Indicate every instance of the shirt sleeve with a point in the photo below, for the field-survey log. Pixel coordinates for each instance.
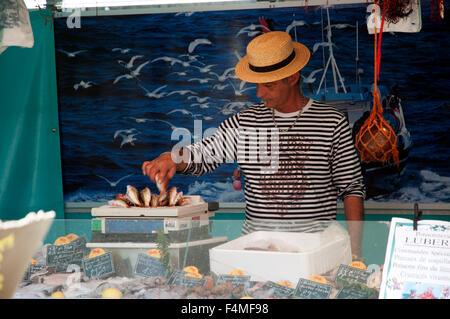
(212, 151)
(345, 163)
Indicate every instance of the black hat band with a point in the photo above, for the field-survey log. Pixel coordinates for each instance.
(273, 67)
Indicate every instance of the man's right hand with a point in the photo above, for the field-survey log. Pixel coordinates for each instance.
(160, 170)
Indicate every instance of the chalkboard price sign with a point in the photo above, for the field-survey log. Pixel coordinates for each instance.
(308, 289)
(235, 280)
(348, 293)
(149, 266)
(351, 274)
(279, 291)
(99, 266)
(178, 278)
(63, 255)
(33, 268)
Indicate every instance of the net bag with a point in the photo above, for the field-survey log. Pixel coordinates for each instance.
(376, 141)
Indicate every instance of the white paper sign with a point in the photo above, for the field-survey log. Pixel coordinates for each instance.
(417, 262)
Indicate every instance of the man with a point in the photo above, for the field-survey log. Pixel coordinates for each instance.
(297, 155)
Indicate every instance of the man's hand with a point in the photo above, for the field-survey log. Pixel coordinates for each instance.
(160, 170)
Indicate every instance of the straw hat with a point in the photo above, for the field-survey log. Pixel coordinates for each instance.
(270, 57)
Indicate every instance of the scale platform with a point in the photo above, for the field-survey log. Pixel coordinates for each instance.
(197, 205)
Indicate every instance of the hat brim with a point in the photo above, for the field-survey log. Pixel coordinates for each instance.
(302, 55)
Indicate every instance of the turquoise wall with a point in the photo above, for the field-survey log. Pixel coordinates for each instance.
(30, 161)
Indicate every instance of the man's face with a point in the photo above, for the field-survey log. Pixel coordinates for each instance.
(274, 94)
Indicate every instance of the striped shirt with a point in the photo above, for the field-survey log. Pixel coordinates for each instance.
(291, 173)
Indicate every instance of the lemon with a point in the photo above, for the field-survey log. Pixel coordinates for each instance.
(154, 253)
(318, 278)
(285, 283)
(96, 252)
(111, 293)
(358, 264)
(61, 241)
(58, 294)
(236, 272)
(191, 269)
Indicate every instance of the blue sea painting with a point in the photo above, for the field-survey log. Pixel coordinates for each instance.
(131, 86)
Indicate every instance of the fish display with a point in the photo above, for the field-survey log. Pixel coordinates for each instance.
(145, 198)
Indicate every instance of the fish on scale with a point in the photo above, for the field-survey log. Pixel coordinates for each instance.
(145, 198)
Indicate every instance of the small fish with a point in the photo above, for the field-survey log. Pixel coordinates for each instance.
(172, 196)
(178, 198)
(163, 199)
(184, 201)
(154, 200)
(133, 195)
(146, 196)
(118, 203)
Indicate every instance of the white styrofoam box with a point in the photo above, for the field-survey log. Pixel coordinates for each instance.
(196, 205)
(298, 255)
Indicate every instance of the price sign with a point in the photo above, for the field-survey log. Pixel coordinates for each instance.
(99, 266)
(308, 289)
(178, 278)
(149, 266)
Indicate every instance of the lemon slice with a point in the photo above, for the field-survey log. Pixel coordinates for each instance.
(236, 272)
(285, 283)
(154, 253)
(111, 293)
(61, 241)
(71, 237)
(358, 264)
(193, 274)
(58, 294)
(96, 252)
(318, 278)
(191, 269)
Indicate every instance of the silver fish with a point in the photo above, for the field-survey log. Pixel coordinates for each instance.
(118, 203)
(133, 195)
(154, 200)
(146, 196)
(163, 199)
(178, 198)
(172, 196)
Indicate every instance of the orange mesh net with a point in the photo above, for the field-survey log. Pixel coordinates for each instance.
(376, 141)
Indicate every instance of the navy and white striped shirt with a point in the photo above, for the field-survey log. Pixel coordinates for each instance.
(292, 175)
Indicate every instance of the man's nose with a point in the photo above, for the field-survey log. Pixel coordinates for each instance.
(259, 91)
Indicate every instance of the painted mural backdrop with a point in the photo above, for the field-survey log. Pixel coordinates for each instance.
(126, 83)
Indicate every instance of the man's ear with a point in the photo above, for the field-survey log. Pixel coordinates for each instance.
(293, 79)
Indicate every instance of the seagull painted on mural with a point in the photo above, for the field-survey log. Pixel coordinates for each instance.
(83, 85)
(173, 127)
(138, 120)
(71, 54)
(198, 99)
(121, 132)
(137, 71)
(172, 61)
(128, 137)
(310, 78)
(185, 112)
(340, 26)
(130, 64)
(114, 184)
(321, 44)
(228, 73)
(204, 69)
(193, 45)
(296, 23)
(123, 51)
(200, 81)
(182, 92)
(251, 29)
(155, 93)
(124, 76)
(239, 91)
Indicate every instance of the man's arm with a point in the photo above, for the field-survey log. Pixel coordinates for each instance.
(354, 214)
